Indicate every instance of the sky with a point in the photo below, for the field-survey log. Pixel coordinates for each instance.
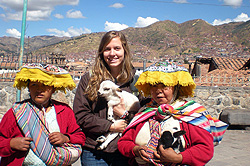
(76, 17)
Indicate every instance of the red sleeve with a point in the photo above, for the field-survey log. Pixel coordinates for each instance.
(199, 145)
(67, 122)
(8, 130)
(127, 142)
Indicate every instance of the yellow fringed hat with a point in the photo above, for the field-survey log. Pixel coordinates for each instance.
(169, 74)
(50, 75)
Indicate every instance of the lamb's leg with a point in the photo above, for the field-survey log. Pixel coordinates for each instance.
(110, 113)
(101, 139)
(109, 138)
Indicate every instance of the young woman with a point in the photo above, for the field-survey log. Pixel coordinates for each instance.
(113, 62)
(168, 84)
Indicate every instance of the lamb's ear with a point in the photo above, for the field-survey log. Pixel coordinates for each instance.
(118, 90)
(114, 90)
(179, 133)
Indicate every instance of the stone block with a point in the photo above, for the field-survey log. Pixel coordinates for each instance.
(236, 116)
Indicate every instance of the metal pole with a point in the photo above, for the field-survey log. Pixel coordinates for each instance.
(144, 64)
(20, 61)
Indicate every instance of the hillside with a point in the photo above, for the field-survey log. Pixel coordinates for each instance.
(159, 40)
(12, 45)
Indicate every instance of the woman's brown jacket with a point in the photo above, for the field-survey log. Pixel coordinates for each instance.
(92, 116)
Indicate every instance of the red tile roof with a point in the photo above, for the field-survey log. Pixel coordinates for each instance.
(229, 63)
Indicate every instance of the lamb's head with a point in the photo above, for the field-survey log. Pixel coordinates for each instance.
(172, 140)
(107, 89)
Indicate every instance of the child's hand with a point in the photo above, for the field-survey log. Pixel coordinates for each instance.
(20, 143)
(140, 151)
(57, 138)
(167, 155)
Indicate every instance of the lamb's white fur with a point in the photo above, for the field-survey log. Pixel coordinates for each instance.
(113, 94)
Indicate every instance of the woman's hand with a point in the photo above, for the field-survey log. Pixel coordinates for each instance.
(58, 138)
(119, 109)
(20, 143)
(118, 126)
(167, 156)
(140, 151)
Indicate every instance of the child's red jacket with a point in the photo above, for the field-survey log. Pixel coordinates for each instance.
(9, 129)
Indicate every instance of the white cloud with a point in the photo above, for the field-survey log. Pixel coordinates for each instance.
(76, 32)
(240, 18)
(37, 9)
(117, 5)
(59, 33)
(70, 33)
(220, 22)
(13, 32)
(31, 15)
(59, 16)
(74, 14)
(234, 3)
(114, 26)
(38, 15)
(180, 1)
(13, 16)
(143, 22)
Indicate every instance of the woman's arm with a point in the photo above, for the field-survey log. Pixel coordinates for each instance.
(201, 148)
(69, 127)
(126, 143)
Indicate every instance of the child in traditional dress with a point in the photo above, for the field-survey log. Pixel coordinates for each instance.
(169, 83)
(39, 130)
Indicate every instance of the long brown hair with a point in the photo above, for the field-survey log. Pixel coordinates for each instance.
(101, 70)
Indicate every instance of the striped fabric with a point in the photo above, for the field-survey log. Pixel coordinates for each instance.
(196, 114)
(155, 132)
(32, 123)
(191, 112)
(140, 117)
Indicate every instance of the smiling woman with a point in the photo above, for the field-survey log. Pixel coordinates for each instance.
(114, 56)
(113, 62)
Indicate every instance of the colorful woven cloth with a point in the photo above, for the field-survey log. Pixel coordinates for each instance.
(155, 133)
(50, 75)
(169, 74)
(31, 121)
(191, 112)
(196, 114)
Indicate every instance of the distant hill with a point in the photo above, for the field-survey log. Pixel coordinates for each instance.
(12, 45)
(161, 39)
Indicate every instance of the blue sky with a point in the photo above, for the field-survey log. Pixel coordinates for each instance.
(76, 17)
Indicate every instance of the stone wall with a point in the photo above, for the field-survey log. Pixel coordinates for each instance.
(215, 99)
(8, 96)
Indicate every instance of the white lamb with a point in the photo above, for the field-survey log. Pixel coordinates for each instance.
(113, 94)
